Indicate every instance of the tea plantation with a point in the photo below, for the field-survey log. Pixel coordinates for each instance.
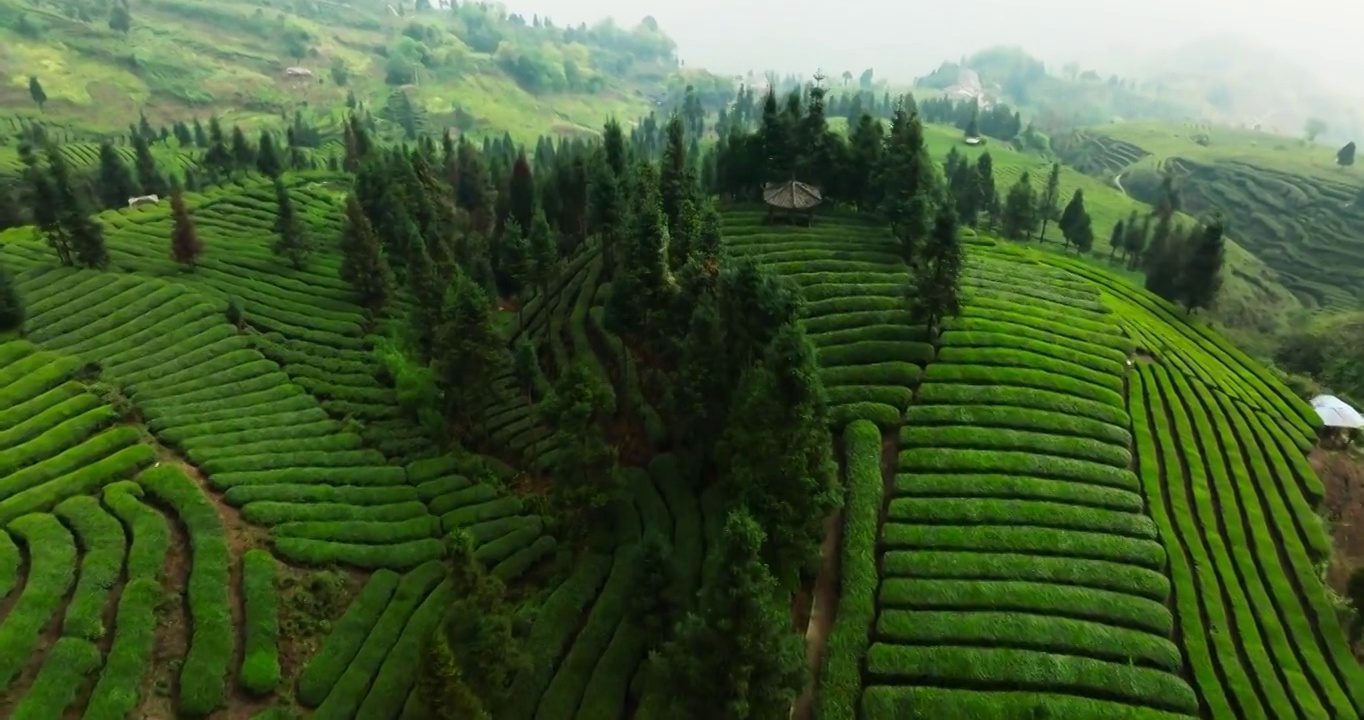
(1074, 502)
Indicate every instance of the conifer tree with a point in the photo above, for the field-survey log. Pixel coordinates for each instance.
(585, 478)
(935, 291)
(186, 247)
(1345, 157)
(148, 174)
(544, 255)
(734, 657)
(1202, 274)
(985, 179)
(1137, 235)
(200, 137)
(218, 158)
(116, 182)
(1117, 239)
(1046, 205)
(468, 351)
(267, 157)
(44, 199)
(291, 242)
(83, 234)
(1019, 210)
(243, 155)
(907, 177)
(11, 306)
(363, 265)
(521, 188)
(35, 91)
(1075, 222)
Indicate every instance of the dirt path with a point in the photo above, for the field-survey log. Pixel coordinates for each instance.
(822, 612)
(1117, 180)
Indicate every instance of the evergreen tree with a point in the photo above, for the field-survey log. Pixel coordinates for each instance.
(676, 184)
(1046, 205)
(613, 145)
(544, 255)
(200, 137)
(1117, 239)
(985, 179)
(1075, 219)
(774, 456)
(292, 242)
(1345, 157)
(120, 18)
(1202, 275)
(606, 208)
(639, 291)
(11, 306)
(584, 470)
(218, 158)
(468, 351)
(1137, 236)
(1019, 210)
(735, 657)
(973, 127)
(82, 234)
(866, 143)
(43, 196)
(514, 262)
(1164, 261)
(35, 91)
(907, 178)
(267, 157)
(521, 189)
(363, 265)
(466, 665)
(116, 183)
(243, 155)
(148, 174)
(935, 291)
(186, 247)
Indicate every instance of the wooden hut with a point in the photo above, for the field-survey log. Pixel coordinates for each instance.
(794, 197)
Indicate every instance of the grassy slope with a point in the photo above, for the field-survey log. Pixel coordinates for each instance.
(186, 65)
(1288, 203)
(1251, 292)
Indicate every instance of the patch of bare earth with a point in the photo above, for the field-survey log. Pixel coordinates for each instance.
(172, 630)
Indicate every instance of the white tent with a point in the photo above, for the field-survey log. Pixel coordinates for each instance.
(1336, 413)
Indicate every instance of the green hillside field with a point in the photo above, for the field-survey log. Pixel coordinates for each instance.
(474, 69)
(1288, 202)
(1075, 492)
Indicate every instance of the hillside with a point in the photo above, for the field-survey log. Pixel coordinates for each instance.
(475, 69)
(1254, 295)
(1137, 540)
(1288, 203)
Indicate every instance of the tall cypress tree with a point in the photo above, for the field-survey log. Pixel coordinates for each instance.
(116, 183)
(243, 155)
(1202, 276)
(218, 158)
(521, 189)
(84, 234)
(362, 262)
(1019, 210)
(935, 292)
(291, 242)
(11, 306)
(148, 174)
(186, 247)
(46, 210)
(1046, 205)
(268, 161)
(908, 178)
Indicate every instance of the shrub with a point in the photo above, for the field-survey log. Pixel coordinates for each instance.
(52, 569)
(341, 644)
(60, 678)
(101, 538)
(260, 660)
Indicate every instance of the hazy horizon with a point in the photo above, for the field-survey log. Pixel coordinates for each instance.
(857, 34)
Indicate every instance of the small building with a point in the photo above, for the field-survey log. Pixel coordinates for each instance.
(792, 196)
(975, 140)
(1342, 421)
(297, 72)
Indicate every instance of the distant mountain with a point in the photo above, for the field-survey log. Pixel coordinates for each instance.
(1239, 82)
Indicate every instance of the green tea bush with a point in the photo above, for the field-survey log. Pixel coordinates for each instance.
(260, 670)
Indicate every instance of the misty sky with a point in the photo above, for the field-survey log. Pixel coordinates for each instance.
(902, 40)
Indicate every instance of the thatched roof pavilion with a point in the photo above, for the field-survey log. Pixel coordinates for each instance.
(792, 195)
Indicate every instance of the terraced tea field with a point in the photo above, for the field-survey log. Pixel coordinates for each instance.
(1291, 207)
(1081, 504)
(1072, 500)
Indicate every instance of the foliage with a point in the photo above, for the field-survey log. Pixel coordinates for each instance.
(186, 247)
